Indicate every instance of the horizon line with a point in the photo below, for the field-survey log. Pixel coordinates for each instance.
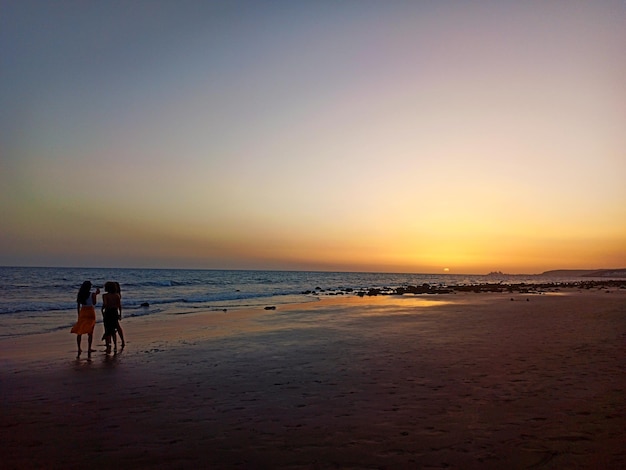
(444, 273)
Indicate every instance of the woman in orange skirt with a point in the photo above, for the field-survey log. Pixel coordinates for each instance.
(86, 308)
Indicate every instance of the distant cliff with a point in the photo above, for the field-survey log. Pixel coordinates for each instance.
(608, 273)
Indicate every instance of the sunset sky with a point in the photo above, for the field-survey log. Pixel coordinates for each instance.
(408, 136)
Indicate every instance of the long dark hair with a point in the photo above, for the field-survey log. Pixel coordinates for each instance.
(83, 292)
(112, 287)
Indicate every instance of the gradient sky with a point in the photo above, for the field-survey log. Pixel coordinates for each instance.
(361, 135)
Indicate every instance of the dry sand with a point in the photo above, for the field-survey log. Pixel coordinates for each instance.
(454, 381)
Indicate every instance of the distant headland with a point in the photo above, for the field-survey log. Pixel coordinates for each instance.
(572, 273)
(610, 273)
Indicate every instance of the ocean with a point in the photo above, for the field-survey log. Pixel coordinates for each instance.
(38, 300)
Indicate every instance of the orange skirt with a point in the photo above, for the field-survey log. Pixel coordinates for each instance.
(86, 321)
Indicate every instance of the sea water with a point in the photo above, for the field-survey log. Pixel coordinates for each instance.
(38, 300)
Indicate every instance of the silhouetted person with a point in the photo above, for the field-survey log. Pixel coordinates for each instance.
(119, 315)
(111, 305)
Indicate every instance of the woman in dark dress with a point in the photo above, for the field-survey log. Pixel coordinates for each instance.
(111, 308)
(120, 331)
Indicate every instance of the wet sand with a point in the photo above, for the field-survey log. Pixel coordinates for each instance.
(449, 381)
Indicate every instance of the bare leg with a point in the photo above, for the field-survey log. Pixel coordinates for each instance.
(90, 340)
(121, 332)
(115, 342)
(78, 338)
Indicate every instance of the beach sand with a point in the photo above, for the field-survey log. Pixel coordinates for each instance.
(447, 381)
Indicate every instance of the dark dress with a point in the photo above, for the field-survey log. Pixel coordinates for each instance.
(110, 320)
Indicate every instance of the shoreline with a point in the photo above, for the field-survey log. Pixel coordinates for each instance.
(461, 380)
(29, 313)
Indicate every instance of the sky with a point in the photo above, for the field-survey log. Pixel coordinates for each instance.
(389, 136)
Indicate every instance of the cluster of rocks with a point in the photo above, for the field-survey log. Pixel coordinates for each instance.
(521, 288)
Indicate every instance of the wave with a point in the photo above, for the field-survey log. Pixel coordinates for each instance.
(35, 307)
(136, 305)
